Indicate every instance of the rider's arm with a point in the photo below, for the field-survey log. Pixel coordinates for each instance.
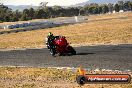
(56, 36)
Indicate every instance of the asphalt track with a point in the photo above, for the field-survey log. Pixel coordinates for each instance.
(114, 57)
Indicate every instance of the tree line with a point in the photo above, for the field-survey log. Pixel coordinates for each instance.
(7, 15)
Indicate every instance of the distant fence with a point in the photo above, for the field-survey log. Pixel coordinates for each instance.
(41, 26)
(28, 26)
(20, 25)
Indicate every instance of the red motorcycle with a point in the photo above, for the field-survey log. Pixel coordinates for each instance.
(61, 47)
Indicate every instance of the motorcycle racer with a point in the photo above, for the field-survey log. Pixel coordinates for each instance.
(59, 45)
(49, 40)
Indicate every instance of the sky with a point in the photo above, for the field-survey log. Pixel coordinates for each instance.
(36, 2)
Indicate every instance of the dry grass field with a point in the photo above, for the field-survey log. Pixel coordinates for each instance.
(100, 29)
(22, 77)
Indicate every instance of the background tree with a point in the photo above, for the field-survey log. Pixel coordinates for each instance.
(57, 10)
(41, 14)
(49, 12)
(81, 11)
(130, 6)
(100, 10)
(24, 17)
(5, 13)
(105, 9)
(31, 13)
(120, 3)
(116, 7)
(110, 6)
(16, 15)
(126, 6)
(44, 12)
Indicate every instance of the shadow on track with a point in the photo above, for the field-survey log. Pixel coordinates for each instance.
(84, 53)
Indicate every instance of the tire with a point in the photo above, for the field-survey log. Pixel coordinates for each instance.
(81, 80)
(72, 51)
(52, 52)
(60, 54)
(48, 46)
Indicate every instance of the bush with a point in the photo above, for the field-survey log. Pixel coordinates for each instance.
(1, 21)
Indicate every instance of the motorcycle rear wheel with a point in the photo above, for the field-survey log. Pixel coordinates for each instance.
(72, 50)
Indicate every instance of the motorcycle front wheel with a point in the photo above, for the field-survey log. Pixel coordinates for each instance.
(52, 52)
